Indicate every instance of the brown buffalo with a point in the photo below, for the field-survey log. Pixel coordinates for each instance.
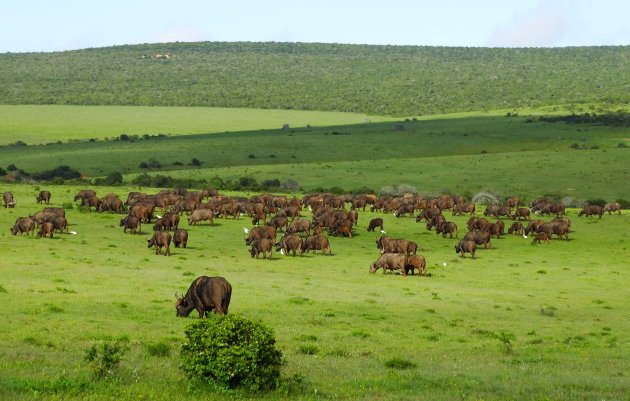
(516, 228)
(279, 222)
(316, 242)
(43, 196)
(533, 226)
(160, 239)
(180, 238)
(132, 223)
(414, 262)
(377, 222)
(200, 215)
(428, 214)
(435, 221)
(388, 244)
(447, 227)
(512, 202)
(541, 237)
(9, 201)
(46, 228)
(521, 213)
(289, 243)
(141, 212)
(495, 228)
(612, 207)
(466, 246)
(479, 237)
(462, 208)
(42, 216)
(84, 194)
(300, 225)
(496, 211)
(260, 232)
(390, 261)
(60, 223)
(23, 225)
(555, 227)
(109, 204)
(263, 246)
(56, 210)
(477, 224)
(205, 294)
(591, 210)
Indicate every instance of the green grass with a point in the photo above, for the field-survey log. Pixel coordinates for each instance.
(475, 329)
(33, 124)
(463, 154)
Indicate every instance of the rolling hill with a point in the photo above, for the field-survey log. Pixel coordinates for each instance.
(378, 80)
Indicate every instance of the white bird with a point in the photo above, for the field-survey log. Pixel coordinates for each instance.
(245, 230)
(73, 232)
(240, 214)
(158, 216)
(444, 264)
(310, 209)
(383, 232)
(282, 251)
(524, 236)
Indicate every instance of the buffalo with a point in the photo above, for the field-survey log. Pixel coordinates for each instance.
(466, 246)
(9, 201)
(533, 226)
(377, 222)
(160, 239)
(23, 225)
(612, 207)
(132, 223)
(541, 237)
(84, 194)
(447, 227)
(416, 262)
(390, 261)
(289, 243)
(479, 237)
(43, 196)
(521, 213)
(180, 238)
(316, 242)
(46, 228)
(516, 228)
(261, 232)
(591, 210)
(205, 294)
(462, 208)
(388, 244)
(555, 227)
(263, 246)
(60, 223)
(279, 222)
(199, 215)
(300, 225)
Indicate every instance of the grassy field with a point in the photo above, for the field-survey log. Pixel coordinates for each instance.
(35, 124)
(522, 321)
(514, 155)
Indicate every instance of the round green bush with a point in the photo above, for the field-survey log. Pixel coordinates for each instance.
(231, 351)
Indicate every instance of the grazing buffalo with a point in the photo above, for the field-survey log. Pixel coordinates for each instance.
(43, 196)
(300, 225)
(428, 214)
(466, 246)
(521, 213)
(263, 246)
(23, 225)
(414, 262)
(9, 201)
(205, 294)
(377, 222)
(475, 224)
(390, 261)
(447, 227)
(512, 202)
(200, 215)
(42, 216)
(555, 227)
(110, 203)
(591, 210)
(612, 207)
(132, 223)
(46, 228)
(60, 223)
(142, 213)
(541, 237)
(279, 222)
(496, 211)
(516, 228)
(533, 226)
(462, 208)
(261, 232)
(479, 237)
(289, 243)
(388, 244)
(84, 194)
(56, 210)
(435, 221)
(316, 242)
(160, 239)
(180, 238)
(496, 228)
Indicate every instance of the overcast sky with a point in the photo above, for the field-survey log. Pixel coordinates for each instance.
(55, 25)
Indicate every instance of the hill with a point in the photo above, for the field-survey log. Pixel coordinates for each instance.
(379, 80)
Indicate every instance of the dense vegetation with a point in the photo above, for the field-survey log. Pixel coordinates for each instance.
(380, 80)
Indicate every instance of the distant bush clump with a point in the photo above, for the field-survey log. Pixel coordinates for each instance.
(63, 172)
(104, 357)
(485, 198)
(398, 189)
(230, 351)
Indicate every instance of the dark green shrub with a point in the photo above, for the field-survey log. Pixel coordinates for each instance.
(598, 202)
(399, 363)
(231, 351)
(104, 357)
(625, 204)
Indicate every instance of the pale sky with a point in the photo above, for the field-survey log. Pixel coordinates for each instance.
(56, 25)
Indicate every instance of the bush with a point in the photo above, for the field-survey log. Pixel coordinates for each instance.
(485, 198)
(290, 185)
(104, 357)
(112, 179)
(625, 204)
(598, 202)
(231, 351)
(63, 172)
(398, 189)
(195, 162)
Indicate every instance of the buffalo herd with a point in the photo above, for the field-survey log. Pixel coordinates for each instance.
(280, 223)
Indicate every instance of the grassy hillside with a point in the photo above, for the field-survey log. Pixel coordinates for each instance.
(36, 124)
(520, 322)
(379, 80)
(518, 155)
